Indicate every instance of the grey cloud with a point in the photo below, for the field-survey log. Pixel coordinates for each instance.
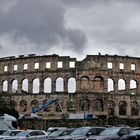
(40, 22)
(75, 37)
(109, 23)
(1, 47)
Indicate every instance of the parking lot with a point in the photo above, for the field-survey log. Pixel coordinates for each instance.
(107, 132)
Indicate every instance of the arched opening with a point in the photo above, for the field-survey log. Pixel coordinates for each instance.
(13, 104)
(5, 86)
(71, 85)
(84, 83)
(121, 84)
(14, 86)
(133, 84)
(34, 103)
(84, 105)
(23, 105)
(36, 84)
(111, 106)
(133, 87)
(71, 105)
(110, 84)
(47, 85)
(59, 84)
(25, 86)
(98, 105)
(134, 108)
(122, 108)
(98, 84)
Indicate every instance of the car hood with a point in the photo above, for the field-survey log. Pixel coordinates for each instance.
(102, 137)
(14, 137)
(71, 137)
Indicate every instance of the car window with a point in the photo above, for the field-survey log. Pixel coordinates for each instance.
(40, 133)
(80, 131)
(135, 132)
(66, 132)
(2, 131)
(99, 130)
(110, 131)
(92, 131)
(14, 133)
(124, 131)
(33, 133)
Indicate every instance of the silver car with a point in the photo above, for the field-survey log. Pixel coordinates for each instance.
(9, 133)
(114, 133)
(30, 135)
(82, 133)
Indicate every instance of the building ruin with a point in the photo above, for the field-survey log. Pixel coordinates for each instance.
(104, 85)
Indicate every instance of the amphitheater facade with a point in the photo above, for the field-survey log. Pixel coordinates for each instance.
(104, 85)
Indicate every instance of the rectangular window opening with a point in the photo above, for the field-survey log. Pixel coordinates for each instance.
(121, 66)
(48, 65)
(133, 67)
(25, 66)
(15, 67)
(59, 65)
(5, 68)
(72, 64)
(36, 66)
(109, 65)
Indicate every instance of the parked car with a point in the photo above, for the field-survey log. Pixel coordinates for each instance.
(52, 129)
(30, 135)
(114, 133)
(82, 133)
(2, 131)
(9, 133)
(58, 133)
(134, 135)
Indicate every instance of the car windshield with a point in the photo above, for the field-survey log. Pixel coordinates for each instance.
(10, 133)
(2, 131)
(135, 132)
(109, 131)
(55, 133)
(24, 133)
(80, 131)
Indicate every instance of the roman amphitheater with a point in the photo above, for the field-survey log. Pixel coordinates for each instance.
(104, 85)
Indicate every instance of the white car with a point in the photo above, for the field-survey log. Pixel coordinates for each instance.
(9, 133)
(30, 135)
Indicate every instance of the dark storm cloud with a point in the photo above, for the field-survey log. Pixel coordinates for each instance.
(108, 23)
(39, 22)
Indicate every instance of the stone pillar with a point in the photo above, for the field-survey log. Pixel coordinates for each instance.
(9, 87)
(30, 85)
(78, 86)
(65, 85)
(19, 90)
(53, 86)
(138, 88)
(127, 84)
(41, 88)
(128, 107)
(1, 87)
(116, 86)
(116, 109)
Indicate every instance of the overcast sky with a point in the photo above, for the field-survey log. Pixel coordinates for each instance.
(74, 28)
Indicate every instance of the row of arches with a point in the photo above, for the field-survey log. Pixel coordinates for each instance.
(85, 105)
(36, 85)
(121, 84)
(123, 108)
(99, 84)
